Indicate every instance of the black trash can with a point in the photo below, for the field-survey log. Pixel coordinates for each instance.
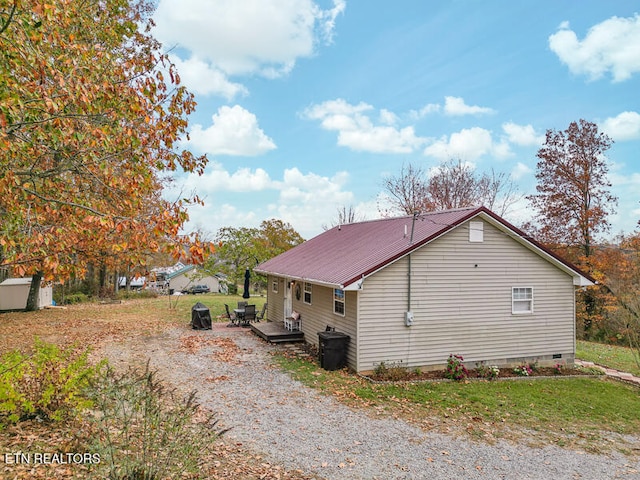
(200, 317)
(332, 350)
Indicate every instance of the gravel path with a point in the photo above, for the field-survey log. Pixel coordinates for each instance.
(297, 427)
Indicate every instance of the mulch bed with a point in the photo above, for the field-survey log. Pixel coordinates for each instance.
(403, 374)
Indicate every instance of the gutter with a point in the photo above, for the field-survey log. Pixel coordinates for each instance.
(302, 279)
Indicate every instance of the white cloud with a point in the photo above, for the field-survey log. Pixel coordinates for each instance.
(234, 131)
(308, 201)
(520, 171)
(468, 144)
(244, 180)
(330, 108)
(455, 106)
(611, 46)
(210, 219)
(501, 150)
(305, 200)
(618, 179)
(203, 79)
(217, 179)
(524, 135)
(377, 139)
(357, 132)
(297, 187)
(266, 37)
(424, 111)
(328, 18)
(387, 117)
(625, 187)
(625, 126)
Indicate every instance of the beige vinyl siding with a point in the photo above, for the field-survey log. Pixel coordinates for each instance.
(317, 316)
(275, 301)
(461, 300)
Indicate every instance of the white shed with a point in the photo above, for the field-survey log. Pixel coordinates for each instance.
(14, 293)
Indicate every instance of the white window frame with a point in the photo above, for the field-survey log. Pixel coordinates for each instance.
(307, 293)
(274, 285)
(522, 296)
(339, 300)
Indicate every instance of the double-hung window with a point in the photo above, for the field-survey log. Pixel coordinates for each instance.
(521, 300)
(274, 285)
(338, 301)
(308, 290)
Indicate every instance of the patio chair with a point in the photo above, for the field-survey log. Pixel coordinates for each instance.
(249, 315)
(231, 316)
(242, 304)
(293, 322)
(260, 316)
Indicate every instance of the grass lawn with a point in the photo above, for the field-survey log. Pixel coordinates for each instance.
(613, 356)
(214, 301)
(89, 324)
(564, 411)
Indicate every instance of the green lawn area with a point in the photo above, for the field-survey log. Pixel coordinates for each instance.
(562, 411)
(612, 356)
(181, 304)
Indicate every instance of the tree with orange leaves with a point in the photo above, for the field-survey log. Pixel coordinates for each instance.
(91, 113)
(573, 198)
(617, 268)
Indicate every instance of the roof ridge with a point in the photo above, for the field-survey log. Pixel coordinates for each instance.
(420, 214)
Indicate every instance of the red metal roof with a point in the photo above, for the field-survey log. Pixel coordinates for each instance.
(346, 253)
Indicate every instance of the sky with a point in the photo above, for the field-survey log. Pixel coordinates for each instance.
(305, 107)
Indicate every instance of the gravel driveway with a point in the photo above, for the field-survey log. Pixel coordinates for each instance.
(300, 428)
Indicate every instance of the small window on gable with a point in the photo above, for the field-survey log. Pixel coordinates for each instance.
(521, 300)
(274, 286)
(338, 301)
(308, 290)
(476, 232)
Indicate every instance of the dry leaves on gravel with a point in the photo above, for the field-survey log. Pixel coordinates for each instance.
(225, 349)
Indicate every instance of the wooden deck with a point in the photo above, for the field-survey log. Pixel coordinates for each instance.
(274, 332)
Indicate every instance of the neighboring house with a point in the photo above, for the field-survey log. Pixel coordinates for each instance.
(15, 291)
(135, 283)
(413, 290)
(180, 277)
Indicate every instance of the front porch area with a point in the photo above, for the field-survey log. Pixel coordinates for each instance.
(274, 332)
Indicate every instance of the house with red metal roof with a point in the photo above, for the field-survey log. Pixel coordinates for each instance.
(412, 290)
